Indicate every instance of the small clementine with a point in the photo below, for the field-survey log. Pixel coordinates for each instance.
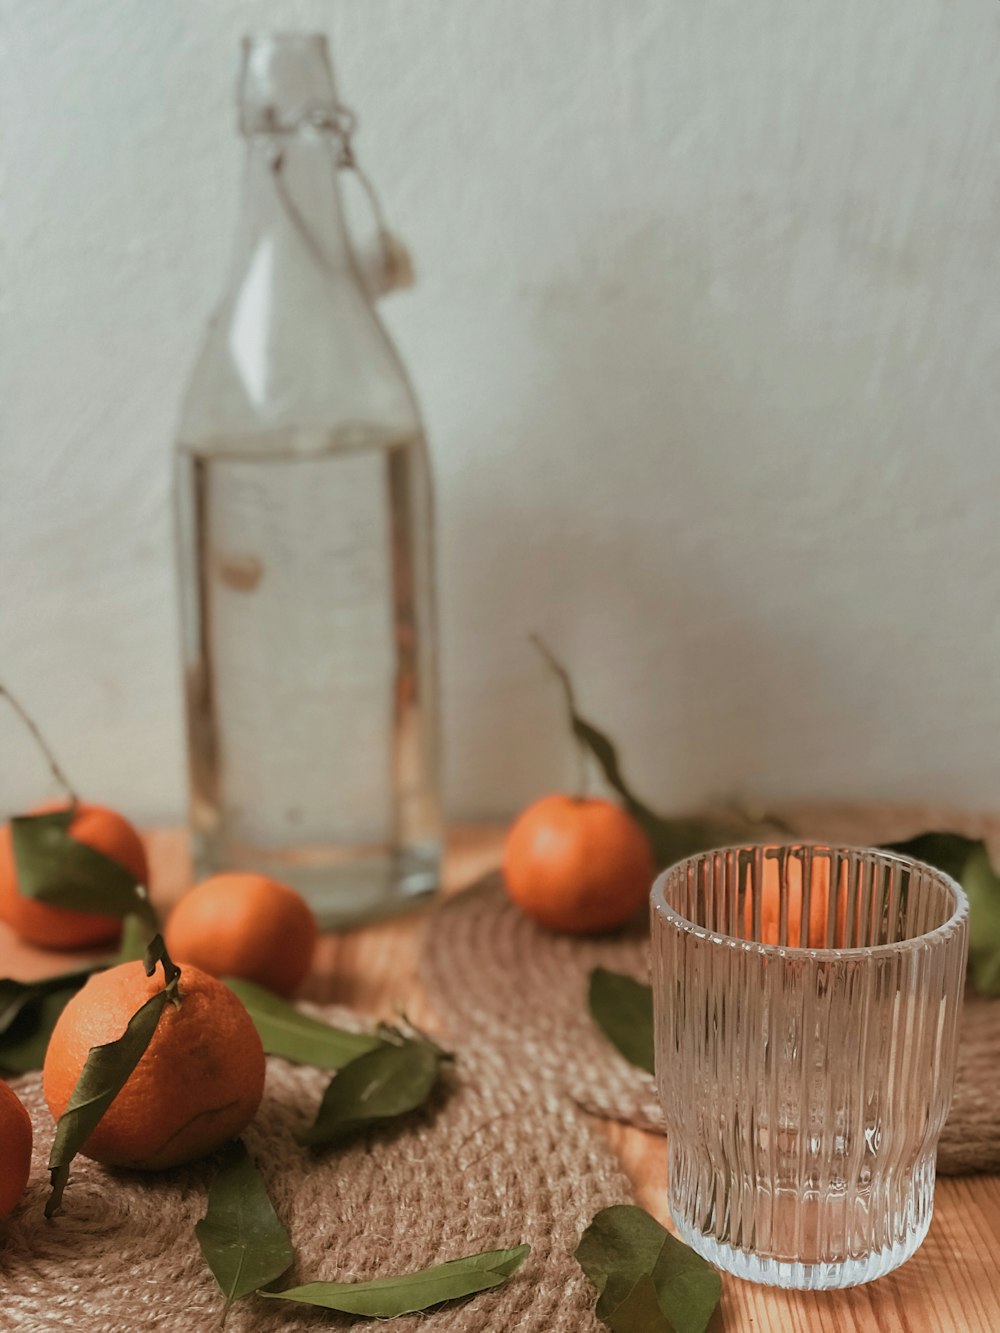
(819, 902)
(52, 927)
(577, 864)
(197, 1085)
(15, 1149)
(249, 926)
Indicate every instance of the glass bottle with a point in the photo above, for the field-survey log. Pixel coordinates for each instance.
(305, 535)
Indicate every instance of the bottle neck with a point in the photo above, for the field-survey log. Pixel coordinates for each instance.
(291, 196)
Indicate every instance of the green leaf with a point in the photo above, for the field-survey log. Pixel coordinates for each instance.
(670, 839)
(134, 941)
(983, 888)
(241, 1238)
(23, 1045)
(624, 1252)
(156, 953)
(387, 1297)
(295, 1036)
(103, 1076)
(53, 867)
(946, 851)
(623, 1009)
(639, 1312)
(16, 996)
(378, 1086)
(968, 861)
(28, 1012)
(621, 1245)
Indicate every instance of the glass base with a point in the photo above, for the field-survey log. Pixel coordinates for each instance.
(345, 889)
(798, 1276)
(356, 893)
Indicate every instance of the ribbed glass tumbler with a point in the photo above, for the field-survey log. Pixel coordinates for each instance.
(807, 1001)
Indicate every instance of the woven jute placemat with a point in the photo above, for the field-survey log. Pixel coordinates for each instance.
(490, 973)
(496, 1161)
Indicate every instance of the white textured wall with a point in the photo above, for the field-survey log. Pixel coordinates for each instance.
(707, 336)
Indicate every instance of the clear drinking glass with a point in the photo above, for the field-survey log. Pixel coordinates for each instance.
(807, 1001)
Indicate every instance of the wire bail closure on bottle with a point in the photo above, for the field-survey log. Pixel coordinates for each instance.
(396, 266)
(391, 268)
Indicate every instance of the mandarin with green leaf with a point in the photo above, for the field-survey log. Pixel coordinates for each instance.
(197, 1085)
(581, 865)
(55, 927)
(15, 1149)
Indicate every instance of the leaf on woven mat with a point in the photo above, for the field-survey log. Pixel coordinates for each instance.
(670, 839)
(379, 1086)
(56, 869)
(410, 1293)
(623, 1009)
(968, 861)
(631, 1260)
(241, 1237)
(105, 1073)
(295, 1036)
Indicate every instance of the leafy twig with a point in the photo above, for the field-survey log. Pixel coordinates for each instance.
(671, 839)
(43, 745)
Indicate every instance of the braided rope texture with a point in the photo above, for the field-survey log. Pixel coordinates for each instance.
(490, 972)
(497, 1160)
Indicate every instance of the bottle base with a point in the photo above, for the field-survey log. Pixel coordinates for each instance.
(352, 889)
(794, 1276)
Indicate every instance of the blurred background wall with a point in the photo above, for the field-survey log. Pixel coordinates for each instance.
(706, 334)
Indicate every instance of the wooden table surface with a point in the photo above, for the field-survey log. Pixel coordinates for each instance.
(952, 1285)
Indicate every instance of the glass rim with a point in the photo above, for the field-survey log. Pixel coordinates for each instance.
(940, 934)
